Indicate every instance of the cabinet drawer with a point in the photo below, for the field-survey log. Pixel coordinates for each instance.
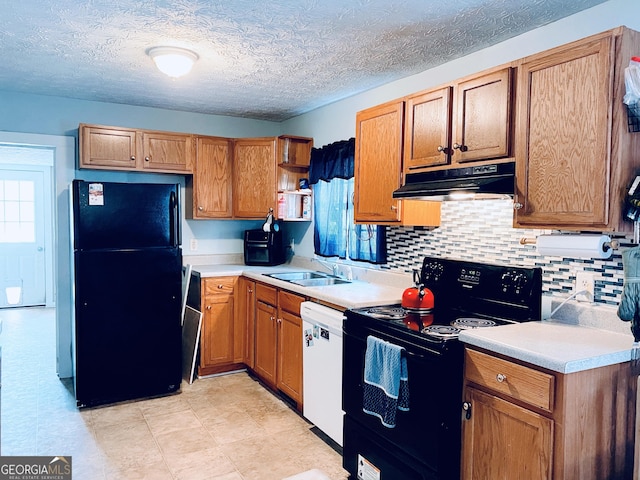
(266, 294)
(218, 285)
(290, 302)
(517, 381)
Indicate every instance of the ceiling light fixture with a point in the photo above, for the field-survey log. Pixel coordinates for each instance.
(173, 61)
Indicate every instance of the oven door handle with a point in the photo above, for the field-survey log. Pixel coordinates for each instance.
(415, 355)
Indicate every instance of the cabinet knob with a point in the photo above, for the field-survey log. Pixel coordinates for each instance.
(147, 159)
(394, 208)
(279, 320)
(249, 291)
(272, 318)
(208, 307)
(517, 206)
(466, 406)
(220, 286)
(501, 378)
(201, 208)
(133, 158)
(441, 148)
(459, 146)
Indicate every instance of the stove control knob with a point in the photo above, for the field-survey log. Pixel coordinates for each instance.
(431, 272)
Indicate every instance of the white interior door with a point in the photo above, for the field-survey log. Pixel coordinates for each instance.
(22, 240)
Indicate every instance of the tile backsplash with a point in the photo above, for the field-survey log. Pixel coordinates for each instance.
(481, 231)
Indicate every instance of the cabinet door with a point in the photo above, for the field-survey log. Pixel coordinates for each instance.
(564, 122)
(217, 331)
(166, 152)
(482, 128)
(254, 177)
(110, 148)
(245, 322)
(427, 137)
(290, 355)
(378, 163)
(502, 441)
(212, 178)
(265, 342)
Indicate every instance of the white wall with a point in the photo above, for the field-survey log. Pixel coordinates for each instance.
(337, 121)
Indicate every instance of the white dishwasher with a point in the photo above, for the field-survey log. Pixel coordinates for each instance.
(322, 368)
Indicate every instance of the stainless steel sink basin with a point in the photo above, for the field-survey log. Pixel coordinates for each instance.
(308, 279)
(291, 276)
(320, 282)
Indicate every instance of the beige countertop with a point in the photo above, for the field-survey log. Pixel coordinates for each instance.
(556, 346)
(356, 294)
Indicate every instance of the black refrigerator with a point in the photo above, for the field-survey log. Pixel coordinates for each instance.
(127, 291)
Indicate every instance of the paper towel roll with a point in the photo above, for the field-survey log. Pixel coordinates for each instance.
(574, 246)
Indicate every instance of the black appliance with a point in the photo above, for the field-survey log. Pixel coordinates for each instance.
(483, 181)
(263, 248)
(426, 441)
(128, 291)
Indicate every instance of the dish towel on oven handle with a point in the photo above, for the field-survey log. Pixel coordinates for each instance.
(386, 381)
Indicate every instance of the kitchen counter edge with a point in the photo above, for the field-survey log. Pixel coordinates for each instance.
(356, 294)
(556, 346)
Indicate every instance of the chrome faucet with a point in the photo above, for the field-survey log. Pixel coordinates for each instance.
(330, 266)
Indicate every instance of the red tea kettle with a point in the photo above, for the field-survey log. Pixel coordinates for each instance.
(418, 297)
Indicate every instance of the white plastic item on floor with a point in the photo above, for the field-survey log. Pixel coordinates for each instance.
(322, 368)
(314, 474)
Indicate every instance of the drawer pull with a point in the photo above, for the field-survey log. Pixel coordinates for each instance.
(501, 378)
(220, 286)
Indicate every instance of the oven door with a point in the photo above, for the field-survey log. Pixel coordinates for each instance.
(428, 434)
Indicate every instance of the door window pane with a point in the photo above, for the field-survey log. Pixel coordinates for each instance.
(17, 211)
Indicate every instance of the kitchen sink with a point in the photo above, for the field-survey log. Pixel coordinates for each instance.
(319, 282)
(308, 279)
(291, 276)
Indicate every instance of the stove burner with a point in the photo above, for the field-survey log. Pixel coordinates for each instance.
(441, 331)
(389, 312)
(471, 322)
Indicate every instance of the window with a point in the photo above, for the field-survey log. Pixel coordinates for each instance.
(17, 212)
(335, 234)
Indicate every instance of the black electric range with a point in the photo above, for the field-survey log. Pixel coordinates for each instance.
(425, 442)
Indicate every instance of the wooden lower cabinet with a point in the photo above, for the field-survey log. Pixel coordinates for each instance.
(266, 333)
(278, 340)
(245, 322)
(497, 427)
(217, 338)
(529, 423)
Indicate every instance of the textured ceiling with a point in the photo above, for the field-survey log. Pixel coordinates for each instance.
(263, 59)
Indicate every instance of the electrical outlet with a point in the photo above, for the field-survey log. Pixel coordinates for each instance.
(585, 281)
(193, 245)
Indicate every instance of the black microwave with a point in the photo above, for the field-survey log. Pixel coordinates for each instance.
(263, 248)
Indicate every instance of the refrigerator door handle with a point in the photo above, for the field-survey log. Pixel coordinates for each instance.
(174, 216)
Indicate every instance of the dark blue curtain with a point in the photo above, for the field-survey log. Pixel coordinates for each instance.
(335, 234)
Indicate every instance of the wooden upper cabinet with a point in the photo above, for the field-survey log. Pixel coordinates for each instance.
(167, 152)
(468, 121)
(254, 177)
(575, 154)
(108, 148)
(115, 148)
(209, 191)
(428, 131)
(483, 118)
(378, 163)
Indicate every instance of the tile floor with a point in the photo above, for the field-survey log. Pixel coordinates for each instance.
(220, 428)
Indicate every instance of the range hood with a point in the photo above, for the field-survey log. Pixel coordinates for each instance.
(484, 181)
